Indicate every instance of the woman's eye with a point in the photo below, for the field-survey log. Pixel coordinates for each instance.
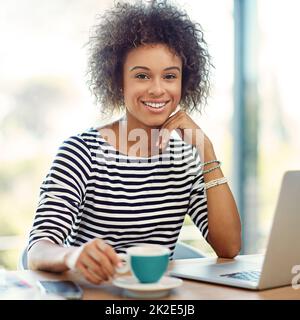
(142, 76)
(170, 76)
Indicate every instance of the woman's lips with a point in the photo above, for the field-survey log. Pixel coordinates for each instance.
(155, 110)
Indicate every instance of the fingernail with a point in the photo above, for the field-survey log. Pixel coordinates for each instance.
(120, 265)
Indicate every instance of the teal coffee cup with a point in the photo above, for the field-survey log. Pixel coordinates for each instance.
(147, 263)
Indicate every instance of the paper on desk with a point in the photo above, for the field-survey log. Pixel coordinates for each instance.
(13, 287)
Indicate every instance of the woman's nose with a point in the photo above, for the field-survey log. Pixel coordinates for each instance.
(156, 88)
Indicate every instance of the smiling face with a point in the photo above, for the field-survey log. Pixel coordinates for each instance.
(152, 77)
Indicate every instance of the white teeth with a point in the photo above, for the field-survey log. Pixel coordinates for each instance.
(155, 105)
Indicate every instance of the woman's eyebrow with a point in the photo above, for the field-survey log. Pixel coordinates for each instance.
(146, 68)
(171, 68)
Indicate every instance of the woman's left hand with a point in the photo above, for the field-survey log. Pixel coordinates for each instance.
(188, 130)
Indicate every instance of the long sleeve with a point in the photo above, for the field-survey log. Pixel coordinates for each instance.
(62, 193)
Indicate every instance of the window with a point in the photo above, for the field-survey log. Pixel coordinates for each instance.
(43, 98)
(216, 120)
(279, 112)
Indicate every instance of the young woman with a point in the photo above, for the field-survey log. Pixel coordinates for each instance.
(131, 182)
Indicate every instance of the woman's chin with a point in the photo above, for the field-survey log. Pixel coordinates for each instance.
(156, 121)
(155, 124)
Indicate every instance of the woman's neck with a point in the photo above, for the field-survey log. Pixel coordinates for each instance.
(136, 138)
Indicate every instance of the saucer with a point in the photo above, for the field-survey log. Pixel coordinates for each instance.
(135, 289)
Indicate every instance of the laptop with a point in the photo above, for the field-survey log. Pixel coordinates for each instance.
(259, 272)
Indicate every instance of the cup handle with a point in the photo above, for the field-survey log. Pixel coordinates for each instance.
(125, 267)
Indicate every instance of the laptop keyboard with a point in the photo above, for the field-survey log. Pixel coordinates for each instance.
(245, 275)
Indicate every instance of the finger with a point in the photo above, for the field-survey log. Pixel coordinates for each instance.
(106, 265)
(176, 122)
(107, 256)
(165, 137)
(174, 116)
(95, 254)
(110, 253)
(101, 245)
(95, 266)
(169, 124)
(88, 275)
(104, 277)
(100, 258)
(112, 256)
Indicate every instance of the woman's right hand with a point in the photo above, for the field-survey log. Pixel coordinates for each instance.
(96, 260)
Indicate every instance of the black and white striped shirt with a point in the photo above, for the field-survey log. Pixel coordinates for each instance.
(92, 190)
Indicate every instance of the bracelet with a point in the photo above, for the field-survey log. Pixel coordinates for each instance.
(211, 161)
(214, 183)
(212, 169)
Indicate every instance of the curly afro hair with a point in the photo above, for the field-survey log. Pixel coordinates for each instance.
(127, 26)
